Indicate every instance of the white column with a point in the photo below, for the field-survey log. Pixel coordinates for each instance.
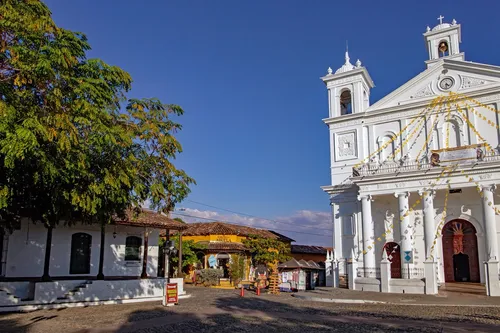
(490, 223)
(406, 230)
(337, 233)
(368, 231)
(429, 226)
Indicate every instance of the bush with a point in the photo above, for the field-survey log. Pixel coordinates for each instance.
(209, 277)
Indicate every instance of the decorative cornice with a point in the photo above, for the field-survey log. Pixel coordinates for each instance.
(403, 112)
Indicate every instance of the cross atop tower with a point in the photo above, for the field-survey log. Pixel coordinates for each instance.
(440, 18)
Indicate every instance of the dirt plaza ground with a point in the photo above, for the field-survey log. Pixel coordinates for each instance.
(215, 310)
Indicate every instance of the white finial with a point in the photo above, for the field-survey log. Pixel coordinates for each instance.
(440, 18)
(330, 70)
(454, 22)
(328, 255)
(428, 28)
(347, 65)
(358, 63)
(346, 52)
(384, 255)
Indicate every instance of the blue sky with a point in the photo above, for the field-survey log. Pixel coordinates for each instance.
(247, 75)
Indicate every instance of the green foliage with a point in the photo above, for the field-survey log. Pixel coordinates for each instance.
(189, 250)
(209, 277)
(267, 250)
(237, 268)
(178, 219)
(67, 150)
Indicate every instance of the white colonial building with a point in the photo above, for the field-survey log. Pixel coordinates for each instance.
(86, 264)
(413, 189)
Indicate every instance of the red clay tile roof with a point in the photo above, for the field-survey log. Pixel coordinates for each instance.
(150, 218)
(293, 263)
(220, 228)
(308, 249)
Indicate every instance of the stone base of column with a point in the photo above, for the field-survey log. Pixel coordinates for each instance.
(385, 275)
(492, 280)
(336, 276)
(431, 283)
(352, 274)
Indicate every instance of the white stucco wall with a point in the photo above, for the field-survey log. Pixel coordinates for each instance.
(61, 249)
(114, 257)
(26, 251)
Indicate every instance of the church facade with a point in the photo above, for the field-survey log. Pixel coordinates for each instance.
(413, 176)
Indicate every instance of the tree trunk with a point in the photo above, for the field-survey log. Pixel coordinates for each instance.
(167, 257)
(100, 275)
(48, 248)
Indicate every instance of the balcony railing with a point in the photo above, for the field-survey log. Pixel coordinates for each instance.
(395, 167)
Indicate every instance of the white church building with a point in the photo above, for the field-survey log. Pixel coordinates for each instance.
(413, 176)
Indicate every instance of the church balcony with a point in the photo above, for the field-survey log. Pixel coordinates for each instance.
(467, 157)
(456, 168)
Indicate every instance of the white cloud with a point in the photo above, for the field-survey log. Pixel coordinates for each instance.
(304, 226)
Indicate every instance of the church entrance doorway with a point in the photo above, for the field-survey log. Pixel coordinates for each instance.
(461, 263)
(394, 255)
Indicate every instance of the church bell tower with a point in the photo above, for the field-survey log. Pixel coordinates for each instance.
(348, 97)
(348, 88)
(443, 41)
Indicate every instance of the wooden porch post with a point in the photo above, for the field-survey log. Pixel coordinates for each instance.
(179, 269)
(48, 247)
(144, 274)
(100, 275)
(166, 257)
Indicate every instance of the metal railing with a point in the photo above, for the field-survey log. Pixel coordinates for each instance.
(375, 168)
(414, 273)
(369, 272)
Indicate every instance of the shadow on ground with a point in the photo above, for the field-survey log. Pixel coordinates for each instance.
(231, 313)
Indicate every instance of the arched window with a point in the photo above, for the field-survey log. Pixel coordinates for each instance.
(386, 153)
(451, 129)
(345, 102)
(81, 244)
(443, 49)
(133, 248)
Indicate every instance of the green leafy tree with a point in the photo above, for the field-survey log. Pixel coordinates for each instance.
(237, 268)
(68, 151)
(189, 252)
(267, 250)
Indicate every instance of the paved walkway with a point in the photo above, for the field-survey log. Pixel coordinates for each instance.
(152, 325)
(451, 294)
(215, 310)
